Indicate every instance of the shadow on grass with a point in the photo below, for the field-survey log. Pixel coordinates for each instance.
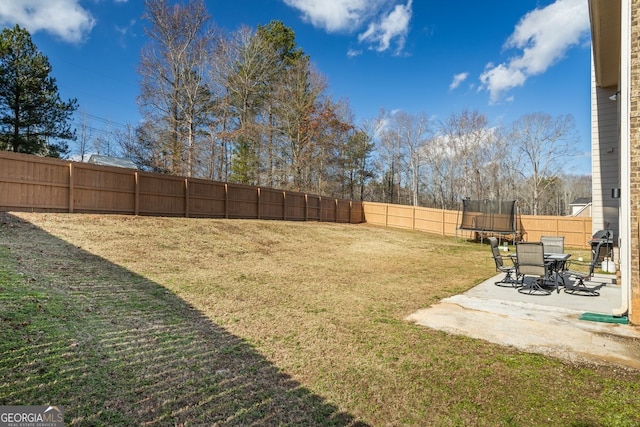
(114, 348)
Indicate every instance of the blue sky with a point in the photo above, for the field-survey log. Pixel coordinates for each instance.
(504, 58)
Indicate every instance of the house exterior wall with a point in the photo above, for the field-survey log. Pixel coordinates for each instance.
(605, 158)
(634, 160)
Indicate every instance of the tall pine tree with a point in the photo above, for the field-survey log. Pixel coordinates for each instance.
(33, 118)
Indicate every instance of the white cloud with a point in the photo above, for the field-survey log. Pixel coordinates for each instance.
(543, 36)
(125, 29)
(63, 18)
(394, 25)
(386, 21)
(335, 15)
(457, 80)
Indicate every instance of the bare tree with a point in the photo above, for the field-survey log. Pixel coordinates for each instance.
(172, 89)
(102, 142)
(243, 68)
(413, 134)
(439, 172)
(248, 72)
(391, 160)
(126, 141)
(84, 136)
(542, 144)
(468, 138)
(298, 110)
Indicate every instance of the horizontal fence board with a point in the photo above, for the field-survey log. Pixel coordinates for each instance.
(33, 196)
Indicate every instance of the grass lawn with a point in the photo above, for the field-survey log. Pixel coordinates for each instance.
(169, 321)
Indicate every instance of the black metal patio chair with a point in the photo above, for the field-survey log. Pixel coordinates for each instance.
(511, 277)
(577, 286)
(553, 244)
(531, 263)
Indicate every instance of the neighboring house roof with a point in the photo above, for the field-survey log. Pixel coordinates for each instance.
(112, 161)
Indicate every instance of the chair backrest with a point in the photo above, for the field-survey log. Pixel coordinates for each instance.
(553, 244)
(530, 258)
(493, 242)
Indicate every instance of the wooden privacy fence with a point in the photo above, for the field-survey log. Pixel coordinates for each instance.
(576, 231)
(31, 183)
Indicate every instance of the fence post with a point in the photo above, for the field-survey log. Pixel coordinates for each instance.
(336, 210)
(386, 214)
(413, 220)
(70, 187)
(284, 205)
(259, 203)
(442, 216)
(306, 207)
(350, 210)
(136, 202)
(186, 197)
(226, 200)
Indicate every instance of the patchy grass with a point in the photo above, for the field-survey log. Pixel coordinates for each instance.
(169, 321)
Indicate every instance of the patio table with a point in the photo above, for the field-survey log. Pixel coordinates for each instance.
(556, 263)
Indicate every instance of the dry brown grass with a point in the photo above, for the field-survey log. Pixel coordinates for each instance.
(324, 304)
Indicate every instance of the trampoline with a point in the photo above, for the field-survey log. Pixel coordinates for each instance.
(488, 217)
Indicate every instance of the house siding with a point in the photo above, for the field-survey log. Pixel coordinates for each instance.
(605, 158)
(634, 170)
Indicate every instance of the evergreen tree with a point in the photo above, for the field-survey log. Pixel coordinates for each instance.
(33, 118)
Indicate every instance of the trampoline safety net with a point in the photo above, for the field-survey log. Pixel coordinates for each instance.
(497, 216)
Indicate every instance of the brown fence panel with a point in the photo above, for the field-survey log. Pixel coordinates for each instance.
(103, 189)
(33, 183)
(327, 209)
(314, 208)
(272, 203)
(295, 207)
(161, 195)
(343, 211)
(357, 212)
(242, 201)
(206, 199)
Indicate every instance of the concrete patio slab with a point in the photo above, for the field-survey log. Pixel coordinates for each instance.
(540, 324)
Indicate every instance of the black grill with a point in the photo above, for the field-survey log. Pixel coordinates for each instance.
(601, 246)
